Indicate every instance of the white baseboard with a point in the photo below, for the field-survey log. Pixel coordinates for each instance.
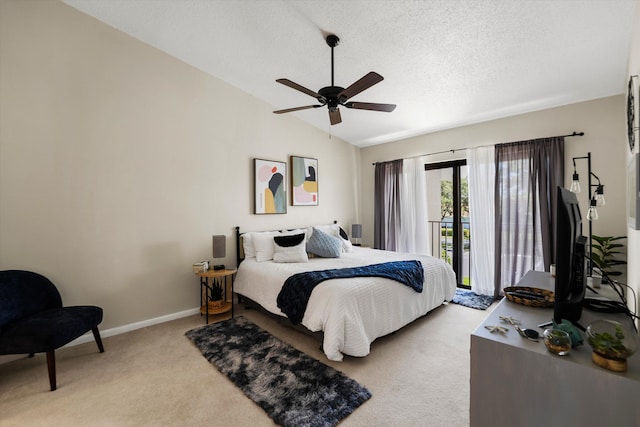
(88, 337)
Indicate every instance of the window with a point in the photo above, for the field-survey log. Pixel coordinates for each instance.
(448, 216)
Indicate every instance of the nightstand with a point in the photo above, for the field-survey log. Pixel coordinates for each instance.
(209, 280)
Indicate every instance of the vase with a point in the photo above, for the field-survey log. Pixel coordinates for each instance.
(216, 304)
(612, 344)
(557, 341)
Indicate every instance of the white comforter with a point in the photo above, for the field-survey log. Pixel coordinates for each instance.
(353, 312)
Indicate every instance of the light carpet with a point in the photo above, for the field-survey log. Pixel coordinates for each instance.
(154, 377)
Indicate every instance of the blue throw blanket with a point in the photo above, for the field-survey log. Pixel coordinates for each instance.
(296, 291)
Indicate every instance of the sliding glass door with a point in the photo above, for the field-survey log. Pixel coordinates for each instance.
(448, 216)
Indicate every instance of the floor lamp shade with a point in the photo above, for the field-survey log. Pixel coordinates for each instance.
(219, 249)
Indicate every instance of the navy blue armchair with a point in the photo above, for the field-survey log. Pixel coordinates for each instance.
(33, 320)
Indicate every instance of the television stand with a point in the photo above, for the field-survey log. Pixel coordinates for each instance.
(517, 382)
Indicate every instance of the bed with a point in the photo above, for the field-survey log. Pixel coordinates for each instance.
(350, 312)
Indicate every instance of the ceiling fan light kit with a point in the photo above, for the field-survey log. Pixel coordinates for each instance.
(334, 96)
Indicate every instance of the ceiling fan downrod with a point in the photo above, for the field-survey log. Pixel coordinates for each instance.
(332, 41)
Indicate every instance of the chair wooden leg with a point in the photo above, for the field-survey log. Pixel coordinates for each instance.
(96, 335)
(51, 364)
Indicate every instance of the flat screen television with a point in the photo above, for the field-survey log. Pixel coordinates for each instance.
(571, 245)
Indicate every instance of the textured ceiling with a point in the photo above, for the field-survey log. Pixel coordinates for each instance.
(445, 63)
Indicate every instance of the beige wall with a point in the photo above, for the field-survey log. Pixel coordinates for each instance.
(601, 120)
(634, 235)
(118, 163)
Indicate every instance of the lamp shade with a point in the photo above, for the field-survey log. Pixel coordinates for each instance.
(219, 246)
(356, 231)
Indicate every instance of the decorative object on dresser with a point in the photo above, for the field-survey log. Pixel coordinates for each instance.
(293, 388)
(533, 297)
(270, 187)
(557, 341)
(304, 181)
(612, 344)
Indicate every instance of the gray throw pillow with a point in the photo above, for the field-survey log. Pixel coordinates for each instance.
(324, 245)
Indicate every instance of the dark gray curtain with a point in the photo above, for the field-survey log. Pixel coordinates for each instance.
(386, 213)
(527, 176)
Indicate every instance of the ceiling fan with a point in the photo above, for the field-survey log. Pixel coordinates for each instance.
(334, 96)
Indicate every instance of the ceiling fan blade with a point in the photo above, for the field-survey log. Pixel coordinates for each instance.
(289, 110)
(371, 106)
(334, 117)
(302, 89)
(364, 83)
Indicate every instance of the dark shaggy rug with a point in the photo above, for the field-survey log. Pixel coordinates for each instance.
(471, 299)
(293, 388)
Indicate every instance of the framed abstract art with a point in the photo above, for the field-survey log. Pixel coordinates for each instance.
(270, 183)
(304, 181)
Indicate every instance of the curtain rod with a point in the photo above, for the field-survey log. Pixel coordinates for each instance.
(478, 146)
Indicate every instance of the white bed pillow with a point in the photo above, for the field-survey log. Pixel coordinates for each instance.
(331, 229)
(263, 245)
(347, 246)
(290, 248)
(324, 244)
(247, 245)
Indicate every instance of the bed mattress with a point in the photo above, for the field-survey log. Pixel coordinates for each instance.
(352, 312)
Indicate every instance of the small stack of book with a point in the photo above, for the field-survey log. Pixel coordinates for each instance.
(201, 266)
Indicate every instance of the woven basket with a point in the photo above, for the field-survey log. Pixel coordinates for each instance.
(532, 297)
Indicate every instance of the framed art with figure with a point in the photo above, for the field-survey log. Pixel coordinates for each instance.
(270, 187)
(304, 181)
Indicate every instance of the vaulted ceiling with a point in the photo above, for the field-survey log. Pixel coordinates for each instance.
(445, 63)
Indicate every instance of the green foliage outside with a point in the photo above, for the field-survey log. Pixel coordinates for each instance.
(446, 211)
(448, 232)
(446, 198)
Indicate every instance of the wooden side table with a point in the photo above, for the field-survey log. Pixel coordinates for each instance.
(208, 280)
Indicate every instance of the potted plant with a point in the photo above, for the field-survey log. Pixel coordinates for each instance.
(611, 345)
(606, 254)
(217, 291)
